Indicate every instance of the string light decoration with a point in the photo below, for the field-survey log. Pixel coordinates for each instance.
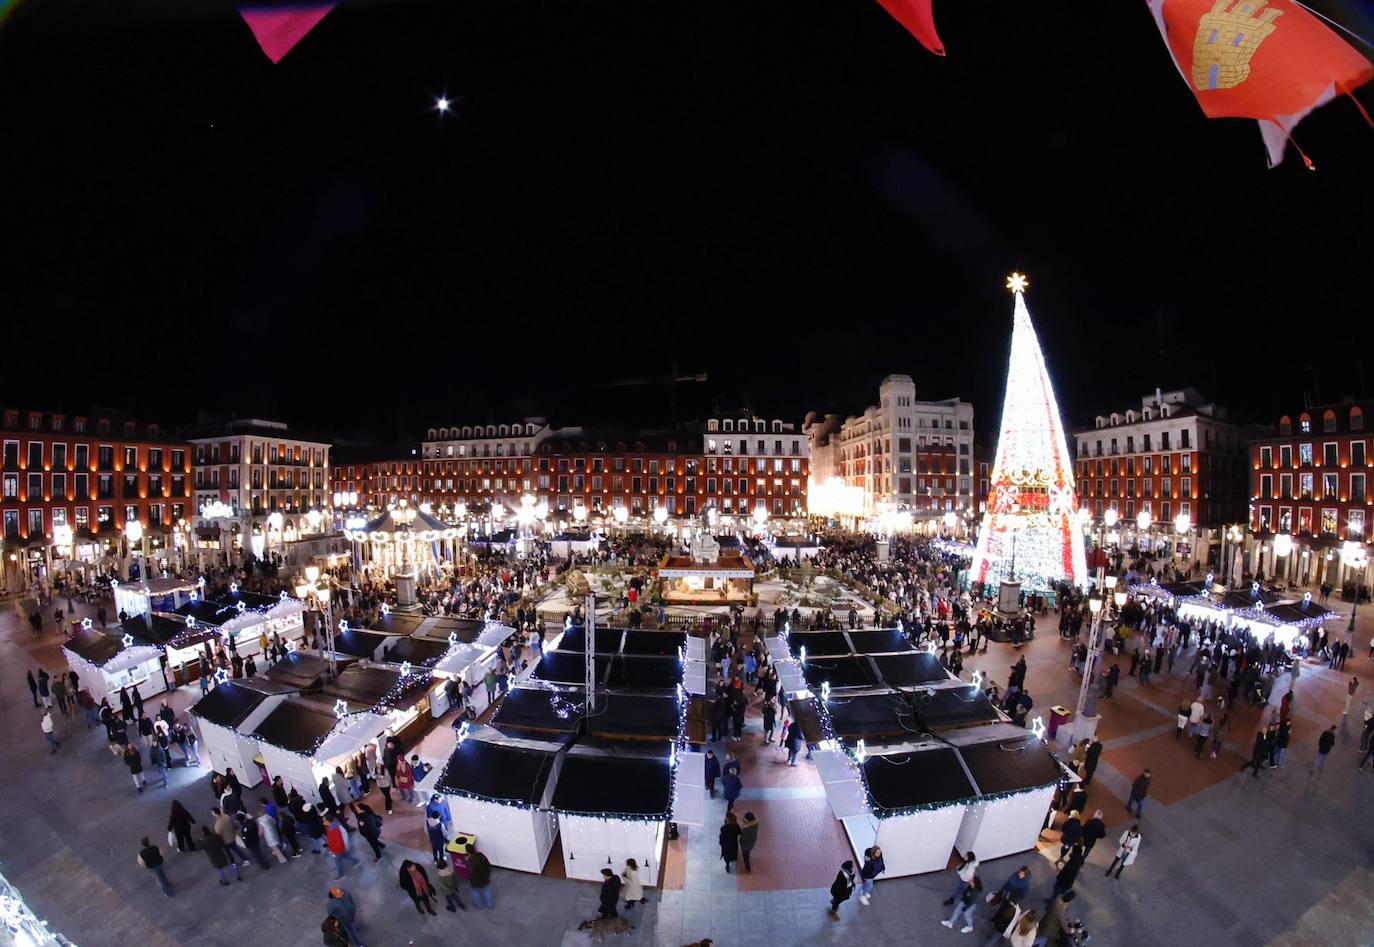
(128, 641)
(87, 624)
(1028, 532)
(23, 926)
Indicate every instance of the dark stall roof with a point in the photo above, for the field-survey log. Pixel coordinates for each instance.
(818, 643)
(644, 672)
(627, 785)
(871, 717)
(467, 630)
(513, 772)
(909, 670)
(806, 713)
(943, 707)
(95, 646)
(654, 642)
(363, 685)
(228, 704)
(397, 623)
(253, 600)
(422, 652)
(566, 667)
(207, 613)
(158, 630)
(359, 644)
(1293, 614)
(840, 672)
(575, 639)
(924, 778)
(636, 717)
(298, 669)
(296, 726)
(539, 711)
(880, 642)
(1010, 765)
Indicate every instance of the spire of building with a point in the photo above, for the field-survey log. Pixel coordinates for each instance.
(1029, 532)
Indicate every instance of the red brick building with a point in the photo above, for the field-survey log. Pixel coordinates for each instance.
(1310, 480)
(90, 473)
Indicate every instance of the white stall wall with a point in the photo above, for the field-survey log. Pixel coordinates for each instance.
(590, 845)
(510, 837)
(225, 749)
(1003, 826)
(293, 769)
(911, 844)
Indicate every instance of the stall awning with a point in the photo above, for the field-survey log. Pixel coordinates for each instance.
(539, 711)
(296, 726)
(689, 789)
(839, 672)
(842, 786)
(351, 735)
(629, 716)
(910, 670)
(928, 777)
(228, 705)
(818, 643)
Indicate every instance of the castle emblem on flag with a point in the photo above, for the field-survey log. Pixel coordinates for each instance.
(1227, 39)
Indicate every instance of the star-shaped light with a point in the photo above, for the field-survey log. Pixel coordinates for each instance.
(1017, 282)
(386, 609)
(291, 644)
(405, 669)
(341, 708)
(114, 583)
(242, 608)
(978, 679)
(221, 677)
(1037, 727)
(453, 639)
(343, 626)
(86, 624)
(201, 581)
(463, 731)
(442, 104)
(190, 621)
(930, 646)
(825, 690)
(195, 595)
(861, 752)
(281, 596)
(233, 588)
(128, 641)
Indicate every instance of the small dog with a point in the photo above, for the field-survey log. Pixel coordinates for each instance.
(602, 926)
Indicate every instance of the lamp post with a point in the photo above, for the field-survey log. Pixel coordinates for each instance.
(318, 594)
(1142, 524)
(1234, 535)
(1353, 555)
(1183, 525)
(133, 535)
(1085, 713)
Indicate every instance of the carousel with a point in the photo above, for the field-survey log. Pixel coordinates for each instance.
(405, 541)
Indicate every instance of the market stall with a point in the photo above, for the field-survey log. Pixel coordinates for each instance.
(614, 801)
(499, 786)
(303, 739)
(226, 715)
(105, 663)
(404, 699)
(1016, 776)
(300, 670)
(565, 545)
(153, 595)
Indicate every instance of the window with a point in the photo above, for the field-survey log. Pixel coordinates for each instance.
(1329, 489)
(1266, 457)
(12, 524)
(1305, 455)
(105, 457)
(35, 522)
(1286, 486)
(1356, 419)
(1357, 458)
(1354, 524)
(1285, 519)
(1265, 518)
(1183, 437)
(1305, 486)
(59, 457)
(1305, 424)
(35, 491)
(1357, 488)
(1266, 489)
(59, 486)
(1329, 522)
(1285, 456)
(1329, 455)
(1329, 420)
(83, 517)
(35, 455)
(11, 491)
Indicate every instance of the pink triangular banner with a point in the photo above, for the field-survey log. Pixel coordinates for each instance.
(279, 29)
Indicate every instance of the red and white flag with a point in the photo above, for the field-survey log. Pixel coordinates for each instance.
(1269, 60)
(919, 20)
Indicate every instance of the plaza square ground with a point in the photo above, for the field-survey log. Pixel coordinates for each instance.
(1227, 858)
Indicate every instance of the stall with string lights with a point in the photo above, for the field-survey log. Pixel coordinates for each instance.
(304, 738)
(152, 595)
(224, 717)
(106, 663)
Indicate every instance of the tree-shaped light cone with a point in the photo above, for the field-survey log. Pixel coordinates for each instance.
(1029, 526)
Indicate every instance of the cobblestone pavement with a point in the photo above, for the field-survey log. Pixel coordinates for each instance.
(1281, 859)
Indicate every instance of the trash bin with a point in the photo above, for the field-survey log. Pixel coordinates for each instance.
(1058, 717)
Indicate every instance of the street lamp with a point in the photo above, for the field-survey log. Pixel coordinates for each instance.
(1353, 555)
(317, 594)
(133, 535)
(661, 515)
(1085, 715)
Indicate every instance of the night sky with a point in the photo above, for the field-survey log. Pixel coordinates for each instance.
(796, 199)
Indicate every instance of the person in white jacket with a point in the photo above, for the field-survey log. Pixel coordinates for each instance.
(1022, 930)
(1126, 848)
(271, 838)
(966, 870)
(631, 889)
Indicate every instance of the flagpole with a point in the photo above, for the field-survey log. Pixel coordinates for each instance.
(1343, 28)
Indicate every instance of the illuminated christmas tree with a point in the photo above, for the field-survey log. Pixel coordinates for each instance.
(1029, 531)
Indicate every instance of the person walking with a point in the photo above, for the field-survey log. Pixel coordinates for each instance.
(1070, 832)
(479, 876)
(269, 834)
(150, 857)
(46, 725)
(213, 847)
(748, 838)
(370, 828)
(448, 886)
(609, 895)
(795, 741)
(1220, 733)
(134, 760)
(405, 779)
(1350, 690)
(1140, 787)
(968, 867)
(841, 889)
(631, 888)
(415, 883)
(1204, 730)
(335, 934)
(228, 834)
(1064, 881)
(179, 822)
(251, 839)
(729, 840)
(731, 785)
(1325, 743)
(340, 905)
(1022, 931)
(965, 906)
(157, 756)
(33, 690)
(336, 838)
(869, 871)
(383, 780)
(1126, 849)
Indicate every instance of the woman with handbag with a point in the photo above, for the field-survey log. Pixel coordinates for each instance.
(179, 828)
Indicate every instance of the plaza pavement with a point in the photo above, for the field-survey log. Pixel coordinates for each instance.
(1227, 859)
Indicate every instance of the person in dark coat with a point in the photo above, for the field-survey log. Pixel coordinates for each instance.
(841, 888)
(33, 689)
(729, 840)
(126, 706)
(731, 786)
(1258, 754)
(415, 882)
(1067, 875)
(213, 847)
(712, 771)
(179, 823)
(610, 894)
(1070, 832)
(1093, 831)
(1090, 761)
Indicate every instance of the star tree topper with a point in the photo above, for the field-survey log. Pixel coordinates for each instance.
(1017, 282)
